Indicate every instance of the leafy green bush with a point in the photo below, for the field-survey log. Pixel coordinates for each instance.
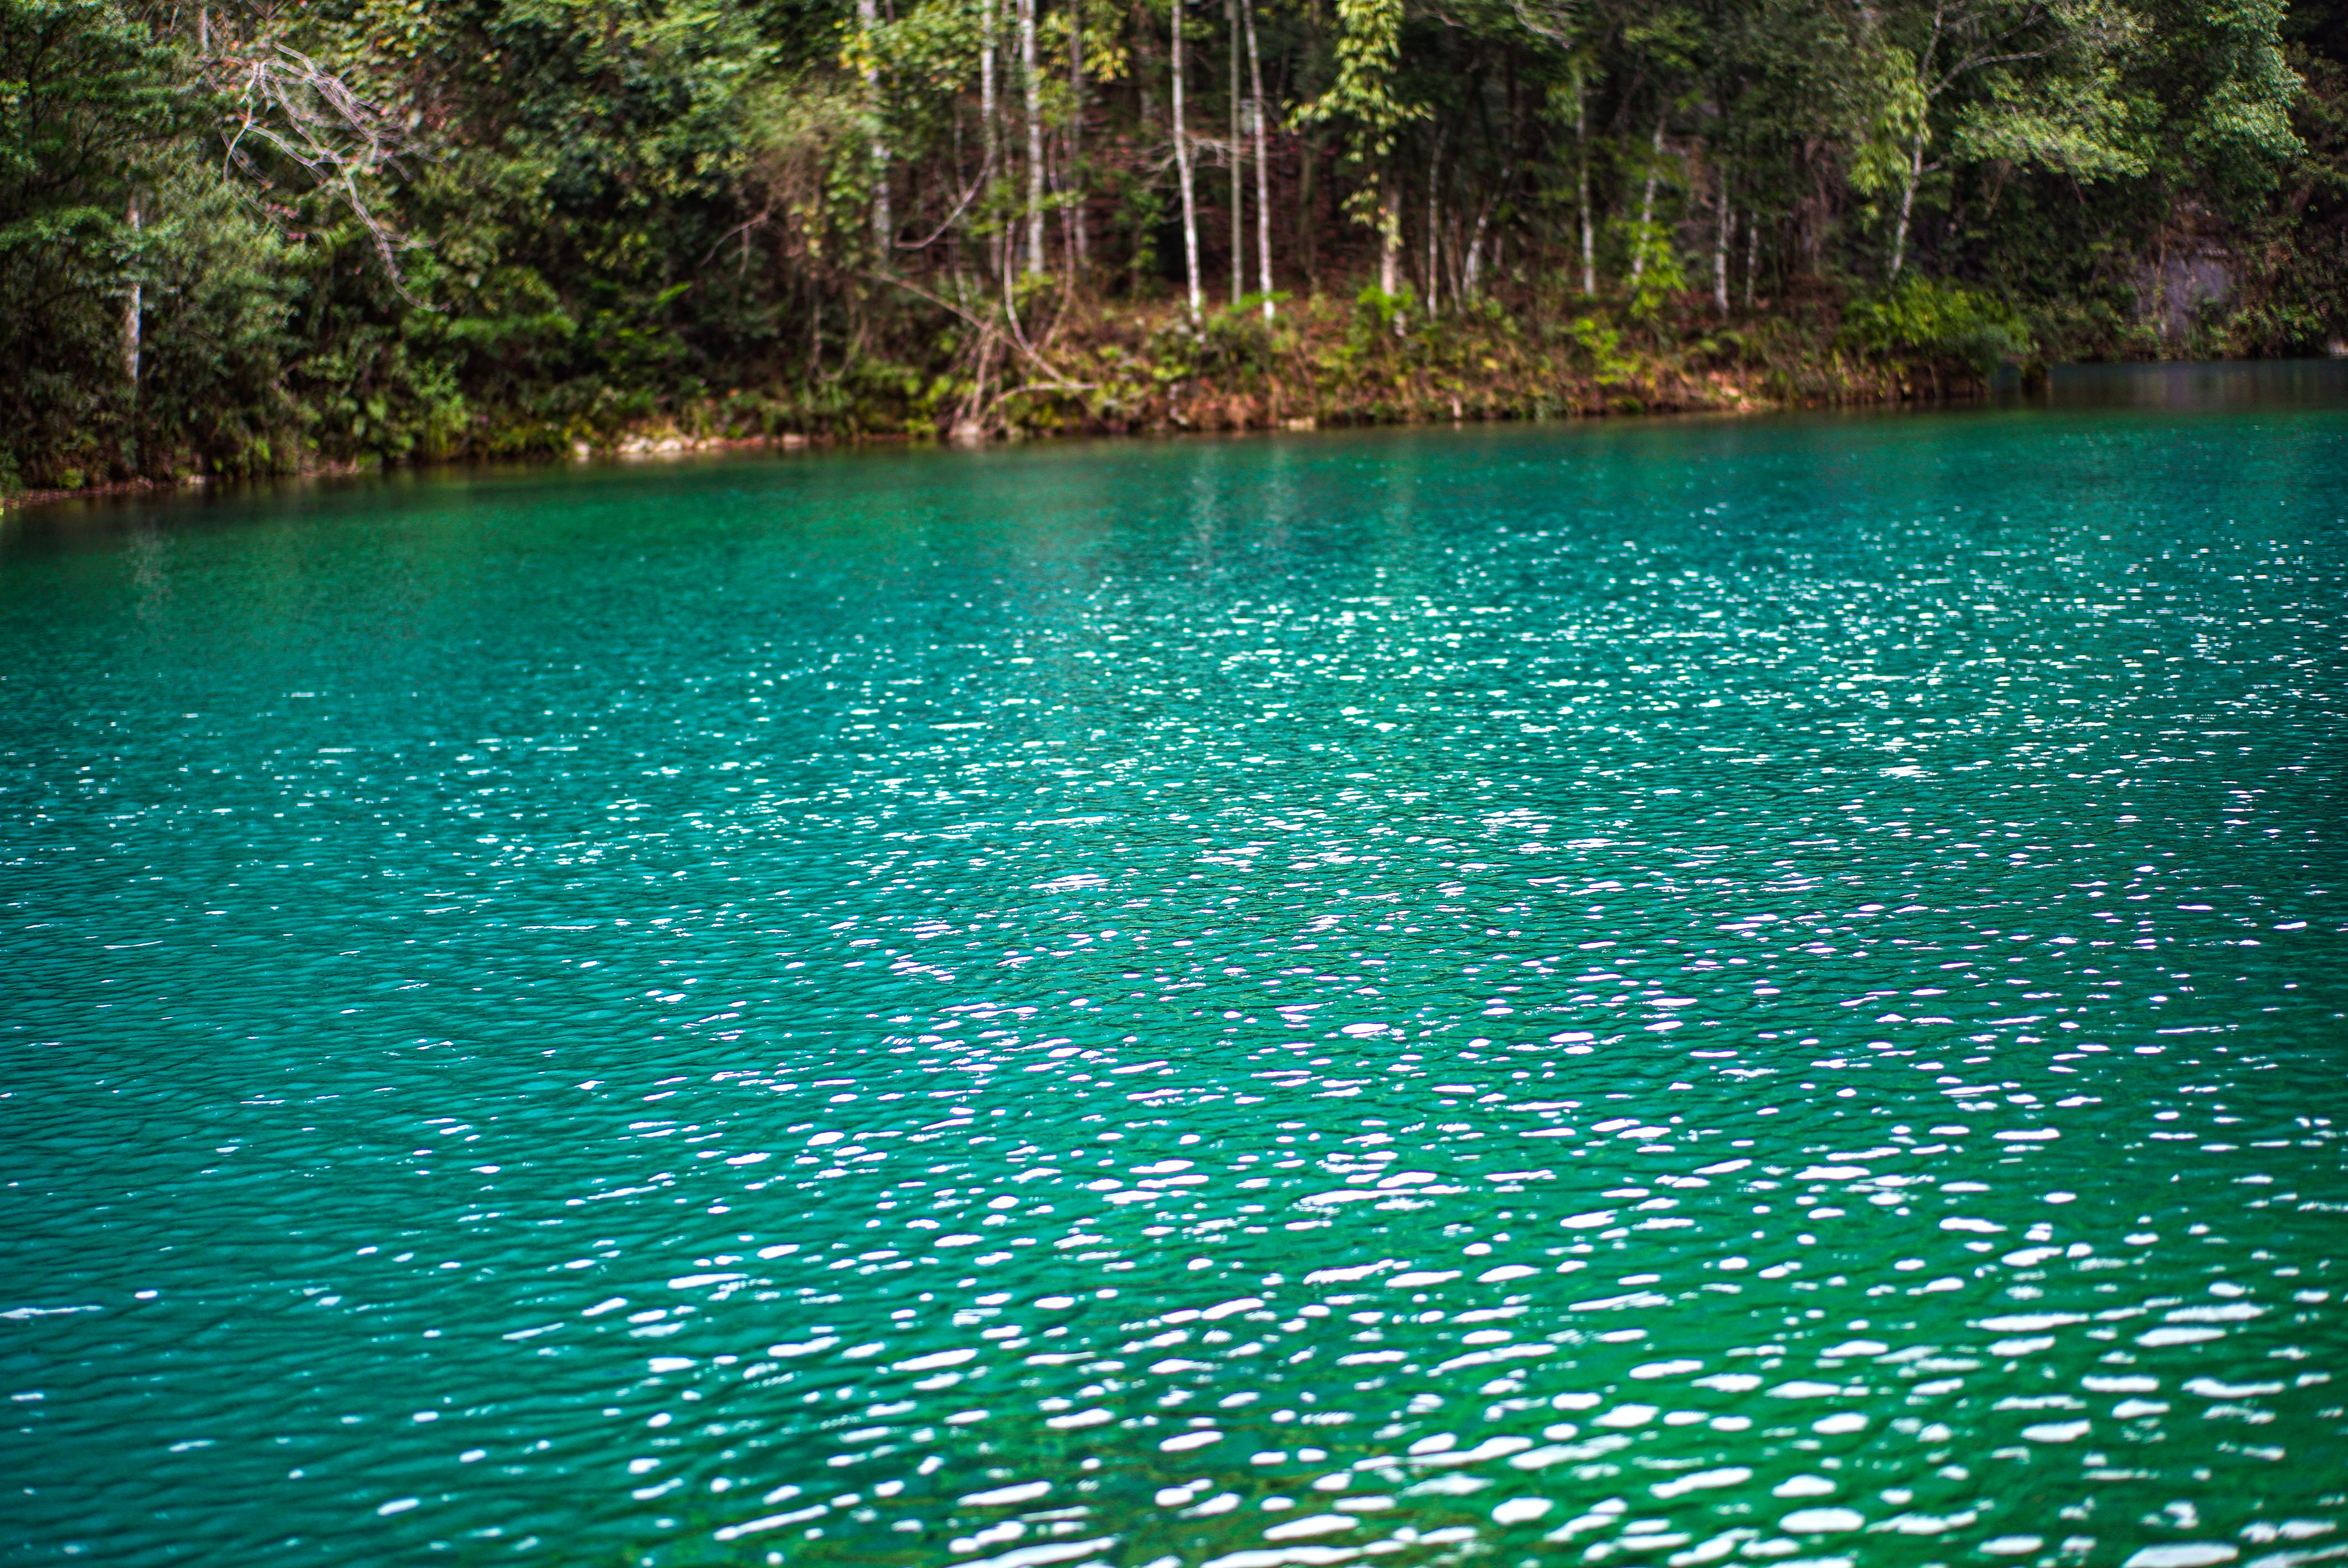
(1609, 360)
(1935, 322)
(1237, 339)
(1660, 275)
(1377, 309)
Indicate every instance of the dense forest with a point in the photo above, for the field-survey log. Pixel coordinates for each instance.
(270, 235)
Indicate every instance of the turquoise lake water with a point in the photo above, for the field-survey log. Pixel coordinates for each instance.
(1654, 994)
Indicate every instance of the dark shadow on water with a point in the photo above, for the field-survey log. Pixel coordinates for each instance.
(2230, 386)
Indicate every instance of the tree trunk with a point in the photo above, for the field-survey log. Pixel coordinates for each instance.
(1433, 221)
(989, 120)
(1308, 232)
(1908, 199)
(1471, 271)
(884, 230)
(1752, 254)
(1182, 172)
(1647, 202)
(1720, 251)
(1390, 237)
(1239, 164)
(1075, 137)
(1262, 178)
(132, 300)
(1035, 137)
(1581, 136)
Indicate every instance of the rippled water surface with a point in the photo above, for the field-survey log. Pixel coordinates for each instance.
(1657, 995)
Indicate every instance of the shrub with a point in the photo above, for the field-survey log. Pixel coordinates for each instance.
(1940, 323)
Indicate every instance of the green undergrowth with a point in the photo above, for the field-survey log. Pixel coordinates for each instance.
(1088, 367)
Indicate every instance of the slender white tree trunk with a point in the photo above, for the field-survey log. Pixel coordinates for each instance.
(1925, 69)
(1471, 269)
(1908, 199)
(986, 72)
(1752, 253)
(1262, 178)
(1647, 202)
(1182, 172)
(132, 302)
(988, 118)
(1581, 136)
(1390, 234)
(1434, 221)
(884, 230)
(1720, 251)
(1034, 136)
(1239, 164)
(1076, 133)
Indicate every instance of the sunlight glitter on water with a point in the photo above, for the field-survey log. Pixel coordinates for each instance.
(1698, 994)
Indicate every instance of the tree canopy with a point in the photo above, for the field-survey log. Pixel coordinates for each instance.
(244, 237)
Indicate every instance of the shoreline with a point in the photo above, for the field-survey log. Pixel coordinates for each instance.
(1101, 367)
(665, 444)
(1208, 411)
(649, 447)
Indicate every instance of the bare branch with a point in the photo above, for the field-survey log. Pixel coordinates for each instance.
(1042, 365)
(967, 197)
(318, 127)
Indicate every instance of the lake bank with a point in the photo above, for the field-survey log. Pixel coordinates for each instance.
(1146, 374)
(1076, 364)
(1254, 402)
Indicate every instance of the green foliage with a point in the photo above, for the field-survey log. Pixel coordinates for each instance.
(1365, 99)
(1601, 344)
(1658, 277)
(1379, 311)
(1236, 340)
(367, 231)
(91, 118)
(1937, 323)
(1368, 49)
